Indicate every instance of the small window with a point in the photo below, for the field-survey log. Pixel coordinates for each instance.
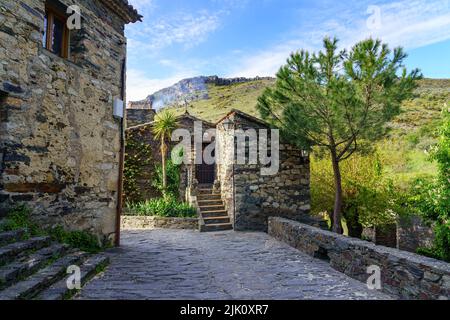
(56, 33)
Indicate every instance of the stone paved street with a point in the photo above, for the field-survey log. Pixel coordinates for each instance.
(182, 264)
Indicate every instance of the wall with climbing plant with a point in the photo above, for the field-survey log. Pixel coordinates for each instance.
(140, 154)
(143, 161)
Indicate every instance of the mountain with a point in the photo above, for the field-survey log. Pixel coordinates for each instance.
(208, 97)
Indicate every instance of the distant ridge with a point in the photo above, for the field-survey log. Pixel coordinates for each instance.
(187, 91)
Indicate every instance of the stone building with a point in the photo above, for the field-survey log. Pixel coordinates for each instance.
(60, 145)
(138, 113)
(232, 194)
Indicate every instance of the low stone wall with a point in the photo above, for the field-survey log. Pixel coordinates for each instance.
(404, 274)
(413, 233)
(143, 222)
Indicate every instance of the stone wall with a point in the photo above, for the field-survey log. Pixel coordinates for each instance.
(225, 167)
(404, 274)
(59, 141)
(251, 197)
(137, 117)
(413, 233)
(149, 223)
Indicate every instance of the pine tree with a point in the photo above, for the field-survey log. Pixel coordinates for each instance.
(338, 100)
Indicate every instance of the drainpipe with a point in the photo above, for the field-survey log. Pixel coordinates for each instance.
(121, 159)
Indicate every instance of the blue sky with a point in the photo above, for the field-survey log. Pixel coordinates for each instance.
(185, 38)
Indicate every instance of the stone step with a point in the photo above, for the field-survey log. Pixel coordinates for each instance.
(216, 207)
(214, 211)
(216, 227)
(216, 220)
(26, 266)
(209, 202)
(30, 287)
(208, 193)
(59, 291)
(214, 198)
(214, 214)
(11, 236)
(9, 252)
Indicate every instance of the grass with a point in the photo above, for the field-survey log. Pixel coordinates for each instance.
(19, 217)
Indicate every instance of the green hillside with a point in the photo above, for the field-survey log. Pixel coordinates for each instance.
(222, 99)
(404, 149)
(414, 131)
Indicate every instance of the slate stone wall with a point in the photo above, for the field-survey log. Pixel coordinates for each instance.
(403, 274)
(58, 139)
(413, 233)
(251, 197)
(137, 117)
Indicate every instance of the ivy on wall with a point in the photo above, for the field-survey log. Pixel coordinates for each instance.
(138, 159)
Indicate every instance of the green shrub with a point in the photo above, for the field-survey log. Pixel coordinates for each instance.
(162, 207)
(433, 198)
(369, 198)
(173, 179)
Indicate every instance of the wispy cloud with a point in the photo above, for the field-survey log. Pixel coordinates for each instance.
(182, 28)
(410, 24)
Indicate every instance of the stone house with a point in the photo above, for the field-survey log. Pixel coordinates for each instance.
(60, 145)
(232, 194)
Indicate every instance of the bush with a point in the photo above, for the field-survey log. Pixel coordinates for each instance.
(162, 207)
(433, 198)
(369, 199)
(173, 179)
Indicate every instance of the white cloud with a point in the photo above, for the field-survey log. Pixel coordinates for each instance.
(406, 23)
(182, 28)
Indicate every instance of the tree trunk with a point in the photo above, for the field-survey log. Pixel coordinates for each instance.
(163, 158)
(337, 214)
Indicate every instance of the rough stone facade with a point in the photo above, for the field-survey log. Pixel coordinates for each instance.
(413, 233)
(408, 234)
(59, 142)
(150, 223)
(404, 274)
(138, 114)
(250, 197)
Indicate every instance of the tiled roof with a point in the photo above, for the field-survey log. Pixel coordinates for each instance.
(124, 10)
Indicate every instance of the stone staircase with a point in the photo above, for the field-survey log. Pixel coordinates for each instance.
(36, 268)
(212, 210)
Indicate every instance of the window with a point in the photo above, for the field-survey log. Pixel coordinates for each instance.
(56, 33)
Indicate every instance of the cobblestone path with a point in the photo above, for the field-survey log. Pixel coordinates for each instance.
(182, 264)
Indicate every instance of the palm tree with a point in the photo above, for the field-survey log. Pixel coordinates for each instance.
(165, 123)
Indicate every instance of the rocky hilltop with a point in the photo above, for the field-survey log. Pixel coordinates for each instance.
(187, 91)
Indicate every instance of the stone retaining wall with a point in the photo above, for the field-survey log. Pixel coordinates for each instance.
(144, 222)
(404, 274)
